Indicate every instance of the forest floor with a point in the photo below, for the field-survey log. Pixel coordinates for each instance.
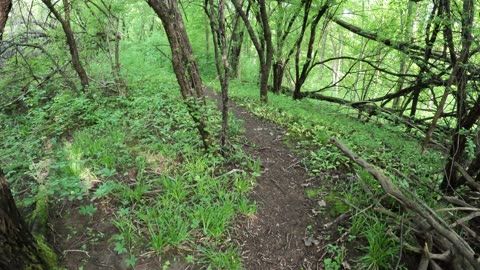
(288, 231)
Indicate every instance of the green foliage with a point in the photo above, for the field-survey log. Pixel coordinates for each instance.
(87, 210)
(337, 206)
(381, 251)
(336, 259)
(140, 149)
(130, 261)
(141, 152)
(227, 259)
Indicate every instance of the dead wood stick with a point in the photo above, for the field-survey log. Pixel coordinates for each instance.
(465, 219)
(460, 245)
(456, 201)
(474, 209)
(338, 219)
(470, 181)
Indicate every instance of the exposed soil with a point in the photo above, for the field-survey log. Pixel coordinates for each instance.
(289, 230)
(86, 242)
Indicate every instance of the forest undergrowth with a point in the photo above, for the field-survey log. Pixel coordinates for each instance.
(130, 155)
(133, 160)
(115, 159)
(358, 200)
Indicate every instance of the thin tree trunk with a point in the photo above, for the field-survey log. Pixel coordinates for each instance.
(207, 40)
(72, 44)
(459, 78)
(236, 42)
(338, 67)
(267, 37)
(265, 55)
(407, 33)
(278, 73)
(184, 63)
(217, 26)
(113, 26)
(302, 74)
(282, 32)
(278, 67)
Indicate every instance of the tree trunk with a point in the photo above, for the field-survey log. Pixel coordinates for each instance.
(279, 63)
(5, 7)
(459, 78)
(72, 44)
(267, 37)
(278, 73)
(18, 249)
(451, 180)
(236, 42)
(338, 67)
(207, 41)
(301, 74)
(216, 17)
(184, 64)
(285, 22)
(265, 55)
(297, 91)
(17, 246)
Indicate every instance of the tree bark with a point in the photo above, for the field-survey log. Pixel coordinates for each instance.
(236, 42)
(18, 249)
(278, 73)
(267, 36)
(184, 64)
(72, 44)
(282, 32)
(462, 253)
(5, 7)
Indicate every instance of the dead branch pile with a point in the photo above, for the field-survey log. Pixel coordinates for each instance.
(442, 247)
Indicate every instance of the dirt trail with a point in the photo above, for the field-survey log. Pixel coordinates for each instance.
(275, 238)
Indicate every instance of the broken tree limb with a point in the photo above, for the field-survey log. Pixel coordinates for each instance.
(462, 252)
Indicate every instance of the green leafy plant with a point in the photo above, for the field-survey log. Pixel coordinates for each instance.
(337, 257)
(131, 261)
(381, 250)
(228, 259)
(87, 210)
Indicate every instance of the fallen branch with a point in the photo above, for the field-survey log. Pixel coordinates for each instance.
(468, 178)
(464, 255)
(465, 219)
